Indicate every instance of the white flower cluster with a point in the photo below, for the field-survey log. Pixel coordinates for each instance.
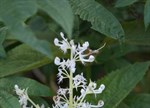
(67, 69)
(24, 98)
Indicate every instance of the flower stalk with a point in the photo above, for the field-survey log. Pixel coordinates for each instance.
(67, 69)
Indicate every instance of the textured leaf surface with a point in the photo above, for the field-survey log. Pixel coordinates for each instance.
(120, 82)
(138, 101)
(147, 13)
(122, 3)
(60, 11)
(8, 101)
(21, 58)
(101, 19)
(34, 87)
(136, 34)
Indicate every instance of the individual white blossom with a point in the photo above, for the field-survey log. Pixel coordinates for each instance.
(79, 81)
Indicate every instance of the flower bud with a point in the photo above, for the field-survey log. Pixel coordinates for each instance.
(100, 103)
(102, 87)
(62, 34)
(56, 41)
(57, 61)
(91, 58)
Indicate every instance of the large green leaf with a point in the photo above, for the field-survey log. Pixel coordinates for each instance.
(136, 34)
(60, 11)
(34, 87)
(7, 100)
(122, 3)
(101, 19)
(138, 101)
(18, 11)
(21, 58)
(119, 83)
(147, 13)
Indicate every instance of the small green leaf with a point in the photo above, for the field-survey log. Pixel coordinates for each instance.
(7, 100)
(147, 14)
(123, 3)
(101, 19)
(60, 11)
(34, 87)
(119, 83)
(138, 101)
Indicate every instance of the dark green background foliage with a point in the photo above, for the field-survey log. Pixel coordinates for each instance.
(27, 31)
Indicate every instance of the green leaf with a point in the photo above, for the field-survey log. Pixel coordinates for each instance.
(19, 11)
(34, 87)
(119, 83)
(147, 14)
(16, 10)
(21, 58)
(136, 34)
(123, 3)
(123, 105)
(8, 101)
(24, 34)
(60, 11)
(138, 101)
(101, 19)
(2, 38)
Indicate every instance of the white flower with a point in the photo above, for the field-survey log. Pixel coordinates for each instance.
(62, 91)
(23, 96)
(71, 65)
(79, 81)
(64, 45)
(92, 88)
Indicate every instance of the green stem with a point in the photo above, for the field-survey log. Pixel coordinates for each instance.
(36, 106)
(71, 85)
(71, 91)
